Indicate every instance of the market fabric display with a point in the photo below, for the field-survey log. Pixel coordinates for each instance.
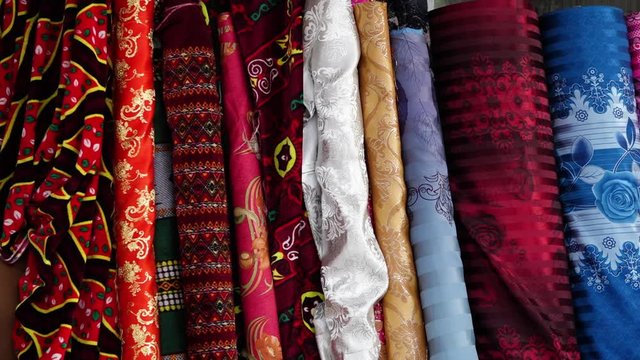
(595, 127)
(493, 106)
(456, 184)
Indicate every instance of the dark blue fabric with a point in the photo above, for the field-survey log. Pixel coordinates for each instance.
(595, 128)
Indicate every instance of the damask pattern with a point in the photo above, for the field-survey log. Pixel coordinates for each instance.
(259, 308)
(403, 325)
(56, 187)
(194, 115)
(135, 196)
(269, 38)
(354, 274)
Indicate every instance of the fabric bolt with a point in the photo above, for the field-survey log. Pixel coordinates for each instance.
(269, 37)
(404, 327)
(249, 209)
(194, 115)
(56, 191)
(445, 303)
(171, 310)
(335, 183)
(496, 124)
(633, 33)
(408, 14)
(134, 104)
(595, 127)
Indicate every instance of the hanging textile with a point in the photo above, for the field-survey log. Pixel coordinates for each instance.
(445, 303)
(269, 39)
(595, 128)
(53, 112)
(404, 327)
(195, 118)
(494, 110)
(354, 274)
(249, 210)
(134, 179)
(633, 33)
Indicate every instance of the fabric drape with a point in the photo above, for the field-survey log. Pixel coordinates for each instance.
(493, 104)
(404, 327)
(354, 274)
(595, 127)
(249, 209)
(194, 115)
(438, 261)
(134, 187)
(269, 38)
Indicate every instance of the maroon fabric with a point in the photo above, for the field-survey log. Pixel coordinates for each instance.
(269, 34)
(497, 130)
(195, 117)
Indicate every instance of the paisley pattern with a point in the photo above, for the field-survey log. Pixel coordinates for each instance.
(354, 274)
(403, 325)
(445, 303)
(135, 195)
(249, 209)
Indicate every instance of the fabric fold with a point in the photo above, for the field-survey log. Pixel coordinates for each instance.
(403, 324)
(335, 183)
(595, 128)
(249, 210)
(194, 115)
(496, 124)
(444, 298)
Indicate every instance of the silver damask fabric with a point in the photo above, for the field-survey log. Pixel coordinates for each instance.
(443, 292)
(354, 274)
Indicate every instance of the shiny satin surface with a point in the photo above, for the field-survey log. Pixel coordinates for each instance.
(354, 274)
(493, 105)
(595, 127)
(403, 324)
(438, 261)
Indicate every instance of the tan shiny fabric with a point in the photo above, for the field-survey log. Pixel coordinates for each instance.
(403, 324)
(9, 275)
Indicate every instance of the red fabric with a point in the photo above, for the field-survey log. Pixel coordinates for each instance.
(134, 102)
(194, 115)
(497, 129)
(269, 35)
(249, 209)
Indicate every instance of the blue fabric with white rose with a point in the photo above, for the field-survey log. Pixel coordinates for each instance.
(596, 141)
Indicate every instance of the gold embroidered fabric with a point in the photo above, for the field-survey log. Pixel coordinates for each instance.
(403, 324)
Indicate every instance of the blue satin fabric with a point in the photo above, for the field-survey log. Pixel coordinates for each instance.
(433, 233)
(596, 142)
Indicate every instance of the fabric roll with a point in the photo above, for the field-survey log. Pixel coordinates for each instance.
(404, 327)
(335, 183)
(249, 209)
(194, 115)
(269, 37)
(633, 33)
(444, 298)
(496, 124)
(56, 187)
(408, 14)
(595, 128)
(171, 310)
(134, 104)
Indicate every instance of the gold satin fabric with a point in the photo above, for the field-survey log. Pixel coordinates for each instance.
(403, 324)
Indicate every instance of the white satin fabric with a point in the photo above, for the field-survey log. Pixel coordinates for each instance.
(336, 188)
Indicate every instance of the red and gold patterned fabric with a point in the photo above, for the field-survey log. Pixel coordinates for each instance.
(249, 209)
(269, 36)
(135, 196)
(57, 198)
(194, 115)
